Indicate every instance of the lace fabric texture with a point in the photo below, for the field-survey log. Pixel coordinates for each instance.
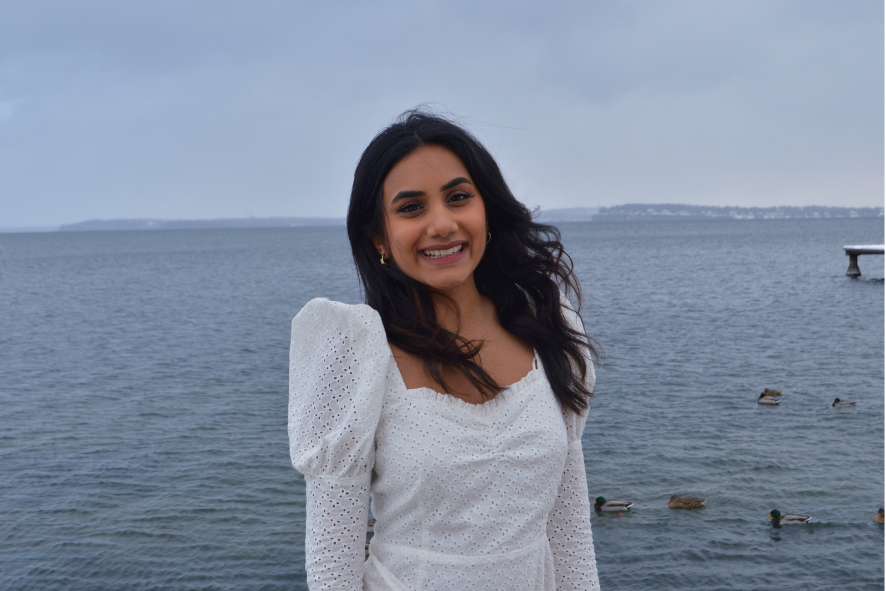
(490, 496)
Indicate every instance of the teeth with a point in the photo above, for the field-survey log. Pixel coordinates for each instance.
(434, 254)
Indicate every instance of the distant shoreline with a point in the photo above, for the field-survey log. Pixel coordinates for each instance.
(676, 211)
(616, 213)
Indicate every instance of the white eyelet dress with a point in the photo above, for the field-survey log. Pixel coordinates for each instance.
(467, 497)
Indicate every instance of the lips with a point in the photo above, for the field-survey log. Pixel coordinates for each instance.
(438, 254)
(441, 254)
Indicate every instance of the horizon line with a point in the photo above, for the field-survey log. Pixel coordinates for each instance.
(307, 221)
(49, 228)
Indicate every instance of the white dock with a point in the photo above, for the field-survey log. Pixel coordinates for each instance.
(853, 251)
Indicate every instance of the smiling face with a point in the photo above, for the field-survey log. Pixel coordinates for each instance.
(435, 220)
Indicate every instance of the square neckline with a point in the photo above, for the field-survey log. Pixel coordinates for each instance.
(430, 393)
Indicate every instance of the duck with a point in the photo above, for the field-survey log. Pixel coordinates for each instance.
(842, 403)
(788, 518)
(879, 516)
(767, 399)
(602, 504)
(678, 502)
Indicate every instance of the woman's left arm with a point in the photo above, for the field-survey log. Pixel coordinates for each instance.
(569, 523)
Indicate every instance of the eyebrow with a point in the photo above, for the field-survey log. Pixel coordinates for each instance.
(456, 181)
(410, 194)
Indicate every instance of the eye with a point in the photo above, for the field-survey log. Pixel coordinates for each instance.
(409, 208)
(461, 196)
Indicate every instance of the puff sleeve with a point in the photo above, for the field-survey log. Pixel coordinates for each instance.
(569, 525)
(337, 372)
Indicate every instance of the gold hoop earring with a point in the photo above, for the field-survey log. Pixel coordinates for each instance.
(488, 236)
(383, 260)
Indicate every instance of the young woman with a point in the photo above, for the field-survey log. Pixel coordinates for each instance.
(455, 399)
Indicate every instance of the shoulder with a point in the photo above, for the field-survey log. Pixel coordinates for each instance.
(322, 316)
(324, 331)
(575, 323)
(330, 309)
(338, 366)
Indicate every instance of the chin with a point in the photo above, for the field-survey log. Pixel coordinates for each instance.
(447, 284)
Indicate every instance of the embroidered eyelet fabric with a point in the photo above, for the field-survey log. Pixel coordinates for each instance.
(480, 497)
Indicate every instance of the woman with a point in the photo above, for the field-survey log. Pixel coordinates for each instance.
(455, 399)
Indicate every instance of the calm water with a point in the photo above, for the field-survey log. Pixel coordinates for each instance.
(143, 380)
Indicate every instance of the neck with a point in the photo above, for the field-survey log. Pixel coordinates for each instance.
(465, 308)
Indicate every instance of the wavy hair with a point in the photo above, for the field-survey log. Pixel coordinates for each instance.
(521, 272)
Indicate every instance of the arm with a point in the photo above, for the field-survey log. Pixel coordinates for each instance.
(569, 528)
(569, 523)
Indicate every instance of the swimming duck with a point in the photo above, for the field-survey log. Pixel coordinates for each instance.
(678, 502)
(766, 399)
(879, 516)
(788, 518)
(842, 403)
(602, 504)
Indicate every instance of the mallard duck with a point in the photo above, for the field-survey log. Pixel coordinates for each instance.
(602, 504)
(879, 516)
(842, 403)
(765, 399)
(678, 502)
(788, 518)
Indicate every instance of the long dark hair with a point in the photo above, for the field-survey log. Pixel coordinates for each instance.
(522, 270)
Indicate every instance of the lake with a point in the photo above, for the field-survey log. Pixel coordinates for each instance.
(143, 394)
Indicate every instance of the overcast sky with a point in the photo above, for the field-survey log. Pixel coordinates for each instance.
(181, 110)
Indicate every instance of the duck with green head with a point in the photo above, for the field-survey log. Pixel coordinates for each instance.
(602, 504)
(842, 403)
(788, 518)
(767, 399)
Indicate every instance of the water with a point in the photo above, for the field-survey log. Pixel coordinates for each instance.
(143, 381)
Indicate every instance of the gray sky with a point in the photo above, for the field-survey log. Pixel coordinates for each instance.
(179, 110)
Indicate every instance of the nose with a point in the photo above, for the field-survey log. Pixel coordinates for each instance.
(441, 222)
